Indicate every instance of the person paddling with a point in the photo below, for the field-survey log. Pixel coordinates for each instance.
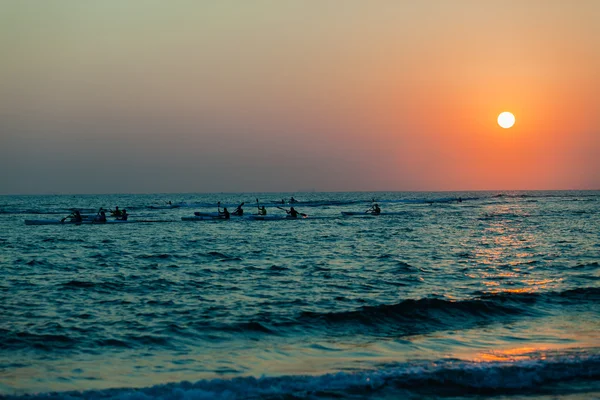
(239, 211)
(375, 210)
(124, 215)
(75, 217)
(102, 217)
(293, 213)
(116, 212)
(222, 214)
(261, 209)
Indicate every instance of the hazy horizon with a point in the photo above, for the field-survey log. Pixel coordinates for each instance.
(268, 96)
(299, 192)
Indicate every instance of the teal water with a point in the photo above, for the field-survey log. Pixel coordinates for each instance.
(496, 295)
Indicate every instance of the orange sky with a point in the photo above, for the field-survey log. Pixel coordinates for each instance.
(295, 95)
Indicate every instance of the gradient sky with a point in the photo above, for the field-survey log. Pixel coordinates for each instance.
(242, 96)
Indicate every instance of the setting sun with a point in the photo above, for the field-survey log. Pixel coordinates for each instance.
(506, 120)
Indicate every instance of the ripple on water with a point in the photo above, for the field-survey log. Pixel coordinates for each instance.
(487, 271)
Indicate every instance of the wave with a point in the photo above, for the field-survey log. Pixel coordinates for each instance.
(593, 265)
(28, 340)
(155, 256)
(105, 287)
(575, 296)
(425, 315)
(582, 294)
(52, 342)
(405, 318)
(221, 256)
(574, 372)
(411, 317)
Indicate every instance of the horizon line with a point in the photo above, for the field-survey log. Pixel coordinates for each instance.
(304, 191)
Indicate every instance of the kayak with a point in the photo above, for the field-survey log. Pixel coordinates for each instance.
(256, 217)
(368, 214)
(90, 217)
(252, 217)
(71, 222)
(212, 214)
(204, 218)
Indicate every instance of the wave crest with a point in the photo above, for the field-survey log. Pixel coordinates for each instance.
(541, 374)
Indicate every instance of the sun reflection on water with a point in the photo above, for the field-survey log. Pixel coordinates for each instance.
(505, 259)
(513, 354)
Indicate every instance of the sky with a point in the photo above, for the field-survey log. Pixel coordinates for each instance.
(268, 95)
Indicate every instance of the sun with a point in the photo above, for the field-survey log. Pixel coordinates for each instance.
(506, 119)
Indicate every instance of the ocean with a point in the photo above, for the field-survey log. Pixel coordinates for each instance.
(444, 295)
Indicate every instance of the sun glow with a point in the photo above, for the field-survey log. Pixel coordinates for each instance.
(506, 119)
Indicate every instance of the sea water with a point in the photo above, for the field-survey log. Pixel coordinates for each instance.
(451, 295)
